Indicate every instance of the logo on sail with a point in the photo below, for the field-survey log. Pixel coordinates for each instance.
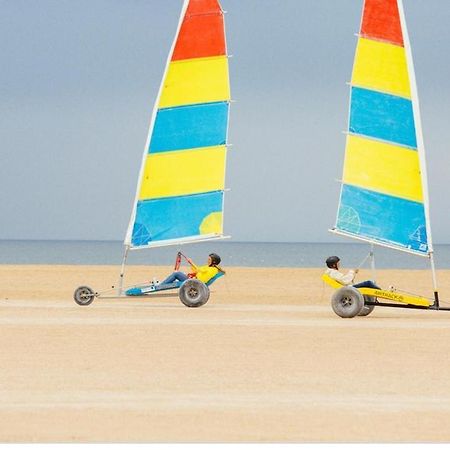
(349, 219)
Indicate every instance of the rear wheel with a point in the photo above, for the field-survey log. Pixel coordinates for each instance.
(193, 293)
(367, 309)
(84, 295)
(347, 302)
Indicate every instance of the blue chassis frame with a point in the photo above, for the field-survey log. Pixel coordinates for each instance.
(152, 288)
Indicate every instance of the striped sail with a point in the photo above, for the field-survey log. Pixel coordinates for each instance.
(383, 196)
(181, 185)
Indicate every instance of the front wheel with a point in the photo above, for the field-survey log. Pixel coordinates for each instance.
(83, 295)
(347, 302)
(193, 293)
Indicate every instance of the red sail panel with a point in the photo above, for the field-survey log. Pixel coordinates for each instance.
(381, 20)
(202, 31)
(203, 7)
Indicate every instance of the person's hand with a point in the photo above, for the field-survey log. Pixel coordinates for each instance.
(356, 270)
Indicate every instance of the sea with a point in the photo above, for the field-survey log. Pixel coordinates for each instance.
(244, 254)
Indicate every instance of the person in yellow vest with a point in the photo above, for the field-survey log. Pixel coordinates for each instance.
(202, 273)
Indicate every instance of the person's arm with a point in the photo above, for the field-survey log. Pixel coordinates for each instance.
(348, 277)
(341, 278)
(193, 266)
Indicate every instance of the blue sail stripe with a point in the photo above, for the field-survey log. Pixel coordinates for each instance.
(383, 218)
(382, 116)
(173, 217)
(193, 126)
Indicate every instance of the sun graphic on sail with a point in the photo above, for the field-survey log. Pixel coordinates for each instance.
(212, 224)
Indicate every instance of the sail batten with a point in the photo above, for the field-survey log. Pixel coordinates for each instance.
(180, 192)
(386, 244)
(383, 197)
(185, 240)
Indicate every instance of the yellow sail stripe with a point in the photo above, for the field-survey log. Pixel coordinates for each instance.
(184, 172)
(198, 80)
(383, 167)
(382, 67)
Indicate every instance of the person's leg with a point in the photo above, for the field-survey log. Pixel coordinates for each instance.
(175, 276)
(366, 284)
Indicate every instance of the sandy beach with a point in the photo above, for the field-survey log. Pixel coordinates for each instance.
(265, 360)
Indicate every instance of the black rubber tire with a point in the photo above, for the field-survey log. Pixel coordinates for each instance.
(193, 293)
(347, 302)
(367, 309)
(83, 295)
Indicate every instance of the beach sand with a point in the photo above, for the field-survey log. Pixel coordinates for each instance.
(265, 360)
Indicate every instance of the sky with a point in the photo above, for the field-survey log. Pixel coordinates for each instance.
(79, 79)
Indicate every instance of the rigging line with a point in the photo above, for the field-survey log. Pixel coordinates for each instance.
(184, 256)
(364, 260)
(443, 301)
(413, 294)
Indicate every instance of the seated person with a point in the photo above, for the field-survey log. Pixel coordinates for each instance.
(333, 263)
(202, 273)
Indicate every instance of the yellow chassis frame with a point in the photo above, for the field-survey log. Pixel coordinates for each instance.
(381, 293)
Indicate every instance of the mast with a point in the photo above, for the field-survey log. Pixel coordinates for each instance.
(127, 241)
(420, 145)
